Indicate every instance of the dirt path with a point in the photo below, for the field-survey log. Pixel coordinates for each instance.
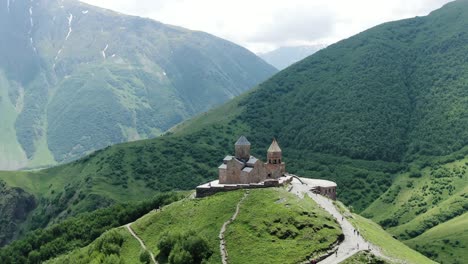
(353, 242)
(222, 241)
(143, 246)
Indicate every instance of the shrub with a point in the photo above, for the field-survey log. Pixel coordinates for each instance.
(145, 257)
(415, 174)
(184, 248)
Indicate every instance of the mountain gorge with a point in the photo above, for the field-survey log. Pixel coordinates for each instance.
(383, 113)
(75, 78)
(283, 57)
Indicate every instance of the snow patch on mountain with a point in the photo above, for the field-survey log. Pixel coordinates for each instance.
(104, 51)
(70, 19)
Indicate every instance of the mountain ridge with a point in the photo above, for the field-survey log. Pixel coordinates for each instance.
(283, 57)
(372, 113)
(70, 68)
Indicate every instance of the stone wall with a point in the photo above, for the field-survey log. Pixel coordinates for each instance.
(330, 192)
(207, 191)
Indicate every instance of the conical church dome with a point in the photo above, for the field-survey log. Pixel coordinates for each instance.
(274, 147)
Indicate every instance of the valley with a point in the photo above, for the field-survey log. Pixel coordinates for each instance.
(75, 78)
(383, 114)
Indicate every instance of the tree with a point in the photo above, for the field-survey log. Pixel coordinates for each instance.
(145, 257)
(180, 256)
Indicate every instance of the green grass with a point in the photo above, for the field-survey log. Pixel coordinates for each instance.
(446, 243)
(275, 226)
(389, 246)
(414, 204)
(77, 101)
(361, 112)
(42, 156)
(76, 232)
(431, 197)
(206, 216)
(265, 217)
(12, 155)
(364, 257)
(127, 252)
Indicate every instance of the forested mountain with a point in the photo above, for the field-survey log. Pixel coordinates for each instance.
(76, 78)
(380, 113)
(283, 57)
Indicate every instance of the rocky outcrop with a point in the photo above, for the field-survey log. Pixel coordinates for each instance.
(15, 205)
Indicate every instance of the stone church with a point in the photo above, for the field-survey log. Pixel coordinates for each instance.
(246, 169)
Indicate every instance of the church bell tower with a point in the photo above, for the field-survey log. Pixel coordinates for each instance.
(242, 147)
(275, 165)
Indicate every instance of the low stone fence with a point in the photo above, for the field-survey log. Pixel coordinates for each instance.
(204, 191)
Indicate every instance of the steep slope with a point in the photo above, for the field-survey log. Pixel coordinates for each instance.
(77, 232)
(299, 229)
(272, 226)
(283, 57)
(419, 206)
(446, 242)
(75, 78)
(384, 103)
(15, 204)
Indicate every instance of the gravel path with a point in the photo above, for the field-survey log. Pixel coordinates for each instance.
(352, 242)
(222, 241)
(143, 246)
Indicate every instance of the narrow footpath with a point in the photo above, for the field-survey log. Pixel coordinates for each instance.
(143, 246)
(222, 241)
(353, 242)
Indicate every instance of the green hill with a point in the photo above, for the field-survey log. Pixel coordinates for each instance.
(446, 242)
(298, 229)
(76, 78)
(273, 226)
(419, 206)
(367, 112)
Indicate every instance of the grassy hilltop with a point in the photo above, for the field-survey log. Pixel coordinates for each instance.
(273, 226)
(382, 113)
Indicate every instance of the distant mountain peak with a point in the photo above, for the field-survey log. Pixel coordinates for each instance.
(88, 77)
(283, 57)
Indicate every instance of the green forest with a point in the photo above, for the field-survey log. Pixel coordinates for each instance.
(376, 113)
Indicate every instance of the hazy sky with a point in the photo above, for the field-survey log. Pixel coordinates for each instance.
(262, 25)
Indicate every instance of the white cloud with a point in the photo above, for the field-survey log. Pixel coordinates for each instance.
(261, 25)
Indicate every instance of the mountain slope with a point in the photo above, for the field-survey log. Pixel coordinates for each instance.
(299, 228)
(379, 106)
(445, 241)
(75, 78)
(422, 206)
(283, 57)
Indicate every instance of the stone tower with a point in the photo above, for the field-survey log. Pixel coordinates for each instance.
(275, 165)
(274, 153)
(242, 149)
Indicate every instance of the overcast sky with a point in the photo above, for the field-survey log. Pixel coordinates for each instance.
(262, 25)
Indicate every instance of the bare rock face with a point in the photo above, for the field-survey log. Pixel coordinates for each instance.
(15, 205)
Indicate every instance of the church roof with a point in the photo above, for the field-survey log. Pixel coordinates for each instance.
(274, 147)
(242, 141)
(251, 162)
(247, 169)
